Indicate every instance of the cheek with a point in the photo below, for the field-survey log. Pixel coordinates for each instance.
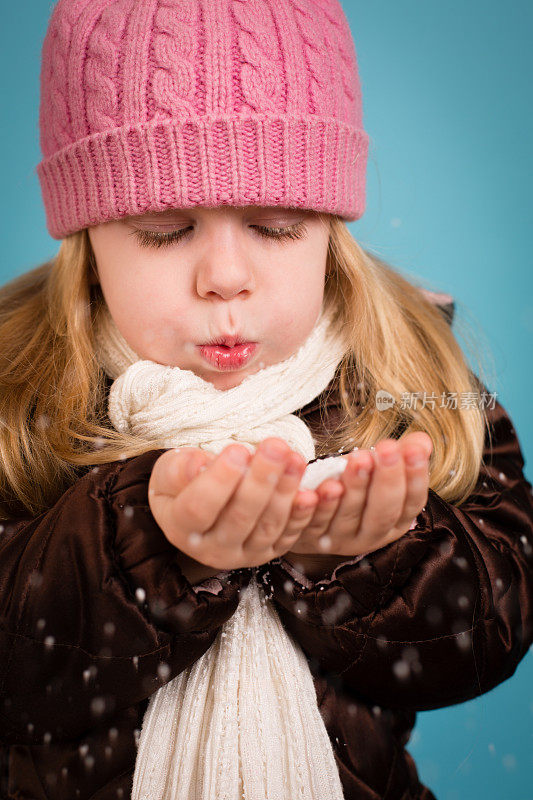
(136, 309)
(295, 309)
(157, 322)
(300, 288)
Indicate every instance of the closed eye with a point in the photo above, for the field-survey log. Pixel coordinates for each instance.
(157, 239)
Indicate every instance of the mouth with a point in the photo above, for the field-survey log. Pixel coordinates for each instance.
(225, 357)
(228, 341)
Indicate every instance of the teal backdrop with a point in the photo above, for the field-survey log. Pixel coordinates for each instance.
(447, 104)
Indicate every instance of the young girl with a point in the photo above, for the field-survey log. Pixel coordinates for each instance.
(201, 595)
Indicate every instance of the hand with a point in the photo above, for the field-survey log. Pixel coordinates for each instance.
(229, 516)
(369, 511)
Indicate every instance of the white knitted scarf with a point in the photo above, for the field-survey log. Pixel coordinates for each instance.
(243, 720)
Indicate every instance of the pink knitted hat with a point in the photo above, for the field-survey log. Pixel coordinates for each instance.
(155, 104)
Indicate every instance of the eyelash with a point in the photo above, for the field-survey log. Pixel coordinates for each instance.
(153, 239)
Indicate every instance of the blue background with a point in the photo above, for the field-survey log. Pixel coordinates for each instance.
(447, 105)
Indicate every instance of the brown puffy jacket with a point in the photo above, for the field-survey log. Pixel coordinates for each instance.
(92, 602)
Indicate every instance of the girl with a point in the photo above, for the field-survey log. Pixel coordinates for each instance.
(200, 161)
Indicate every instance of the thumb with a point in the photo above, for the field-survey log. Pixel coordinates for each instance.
(195, 462)
(174, 469)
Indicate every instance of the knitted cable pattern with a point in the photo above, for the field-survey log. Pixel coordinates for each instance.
(103, 50)
(262, 69)
(174, 50)
(55, 129)
(154, 104)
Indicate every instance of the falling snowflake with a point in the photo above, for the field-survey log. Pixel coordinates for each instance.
(163, 671)
(98, 706)
(509, 761)
(461, 562)
(42, 421)
(300, 608)
(36, 578)
(401, 669)
(194, 538)
(464, 640)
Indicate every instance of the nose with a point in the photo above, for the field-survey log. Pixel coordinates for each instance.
(226, 277)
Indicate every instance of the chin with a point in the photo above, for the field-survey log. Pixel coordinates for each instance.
(224, 381)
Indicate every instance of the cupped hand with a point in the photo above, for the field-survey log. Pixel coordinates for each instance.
(375, 502)
(229, 515)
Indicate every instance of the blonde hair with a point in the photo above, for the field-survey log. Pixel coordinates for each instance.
(53, 392)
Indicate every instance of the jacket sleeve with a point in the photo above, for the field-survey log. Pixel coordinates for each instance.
(441, 615)
(95, 614)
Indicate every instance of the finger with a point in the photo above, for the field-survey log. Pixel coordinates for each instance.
(328, 493)
(386, 493)
(170, 472)
(276, 526)
(246, 506)
(356, 479)
(301, 514)
(417, 439)
(201, 501)
(417, 483)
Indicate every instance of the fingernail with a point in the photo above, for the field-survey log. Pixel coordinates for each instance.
(293, 467)
(389, 458)
(415, 459)
(332, 494)
(273, 450)
(237, 456)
